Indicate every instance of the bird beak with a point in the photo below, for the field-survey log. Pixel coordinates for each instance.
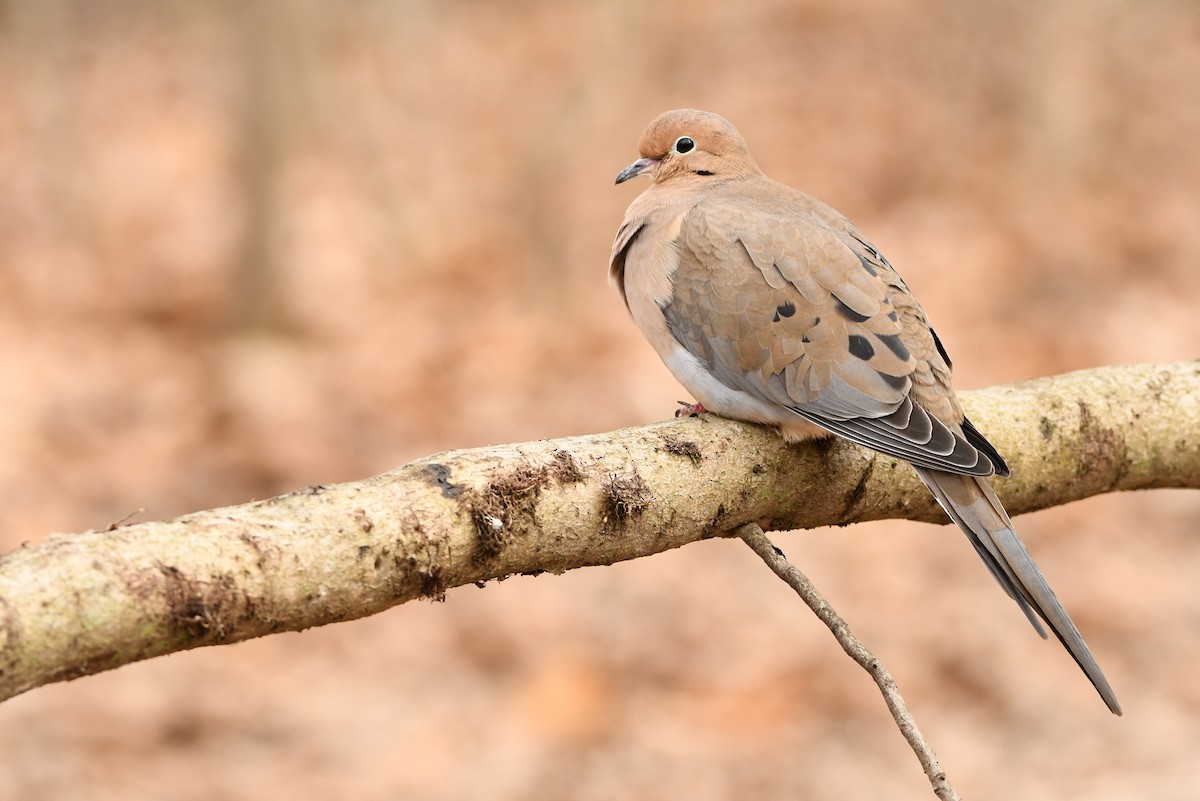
(639, 167)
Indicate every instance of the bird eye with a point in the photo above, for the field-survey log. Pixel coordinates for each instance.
(684, 144)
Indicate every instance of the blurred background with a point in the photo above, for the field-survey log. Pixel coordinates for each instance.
(251, 246)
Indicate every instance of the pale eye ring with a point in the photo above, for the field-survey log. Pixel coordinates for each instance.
(684, 144)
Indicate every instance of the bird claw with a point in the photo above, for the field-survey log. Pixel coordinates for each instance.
(689, 409)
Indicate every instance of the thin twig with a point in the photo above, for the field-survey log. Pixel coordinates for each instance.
(761, 545)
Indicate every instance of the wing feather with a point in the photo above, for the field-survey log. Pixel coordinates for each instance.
(790, 309)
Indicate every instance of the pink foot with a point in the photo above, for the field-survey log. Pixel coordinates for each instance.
(689, 409)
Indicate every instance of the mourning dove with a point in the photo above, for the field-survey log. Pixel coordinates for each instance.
(771, 307)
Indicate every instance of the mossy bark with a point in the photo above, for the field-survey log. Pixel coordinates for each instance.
(83, 603)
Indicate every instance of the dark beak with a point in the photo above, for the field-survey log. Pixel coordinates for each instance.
(639, 167)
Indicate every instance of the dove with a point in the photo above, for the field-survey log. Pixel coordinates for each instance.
(769, 306)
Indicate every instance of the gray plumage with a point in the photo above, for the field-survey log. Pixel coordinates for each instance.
(769, 306)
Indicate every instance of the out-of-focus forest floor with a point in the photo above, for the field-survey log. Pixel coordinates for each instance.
(247, 247)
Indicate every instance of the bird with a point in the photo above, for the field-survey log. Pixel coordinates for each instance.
(771, 307)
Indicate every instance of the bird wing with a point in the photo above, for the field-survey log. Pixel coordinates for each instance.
(781, 298)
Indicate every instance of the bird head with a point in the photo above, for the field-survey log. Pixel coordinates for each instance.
(687, 144)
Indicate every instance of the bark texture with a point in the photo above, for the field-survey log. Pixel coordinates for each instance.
(79, 604)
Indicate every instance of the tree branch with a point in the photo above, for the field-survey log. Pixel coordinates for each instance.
(812, 597)
(83, 603)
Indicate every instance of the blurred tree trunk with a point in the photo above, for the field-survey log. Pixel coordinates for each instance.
(275, 47)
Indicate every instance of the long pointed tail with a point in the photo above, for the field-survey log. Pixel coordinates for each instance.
(973, 505)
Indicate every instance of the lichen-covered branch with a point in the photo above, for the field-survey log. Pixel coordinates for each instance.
(82, 603)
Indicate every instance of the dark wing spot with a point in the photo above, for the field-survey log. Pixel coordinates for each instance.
(703, 172)
(895, 345)
(941, 348)
(815, 322)
(892, 316)
(860, 347)
(785, 309)
(849, 313)
(894, 381)
(870, 248)
(866, 263)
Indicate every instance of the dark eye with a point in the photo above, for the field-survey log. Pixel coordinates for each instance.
(684, 144)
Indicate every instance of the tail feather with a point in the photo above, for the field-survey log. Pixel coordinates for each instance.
(974, 507)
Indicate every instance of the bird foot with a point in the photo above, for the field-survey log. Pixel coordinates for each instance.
(690, 409)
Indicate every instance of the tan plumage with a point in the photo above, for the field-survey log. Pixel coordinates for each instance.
(769, 306)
